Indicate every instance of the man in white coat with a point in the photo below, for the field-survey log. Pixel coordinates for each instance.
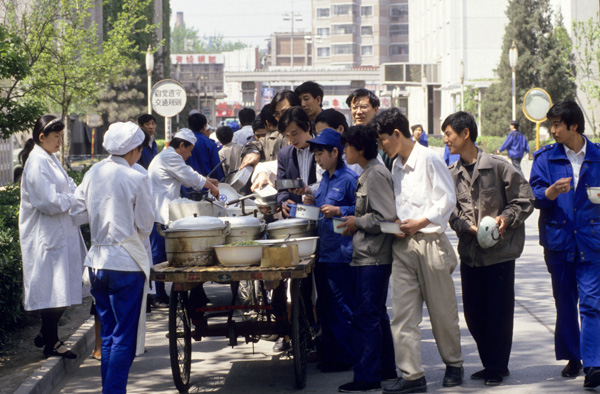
(117, 202)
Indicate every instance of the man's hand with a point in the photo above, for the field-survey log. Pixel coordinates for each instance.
(348, 226)
(251, 159)
(285, 208)
(502, 223)
(261, 180)
(563, 185)
(473, 229)
(309, 199)
(213, 181)
(330, 211)
(411, 226)
(212, 188)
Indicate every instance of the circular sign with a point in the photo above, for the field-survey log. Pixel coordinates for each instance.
(536, 104)
(93, 120)
(168, 98)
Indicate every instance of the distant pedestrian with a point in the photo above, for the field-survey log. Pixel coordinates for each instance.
(230, 152)
(419, 135)
(516, 144)
(147, 123)
(243, 135)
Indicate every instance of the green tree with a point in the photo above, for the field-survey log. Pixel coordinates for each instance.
(187, 40)
(587, 46)
(545, 61)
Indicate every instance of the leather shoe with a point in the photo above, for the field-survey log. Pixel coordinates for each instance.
(359, 387)
(453, 376)
(592, 378)
(39, 341)
(54, 351)
(282, 345)
(407, 386)
(480, 375)
(493, 378)
(572, 369)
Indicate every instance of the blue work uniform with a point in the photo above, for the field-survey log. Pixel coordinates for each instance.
(569, 230)
(148, 153)
(205, 157)
(333, 274)
(517, 145)
(423, 139)
(449, 158)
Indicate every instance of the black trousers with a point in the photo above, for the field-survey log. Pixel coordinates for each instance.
(489, 306)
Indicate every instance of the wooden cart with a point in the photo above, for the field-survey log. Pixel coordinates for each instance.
(183, 315)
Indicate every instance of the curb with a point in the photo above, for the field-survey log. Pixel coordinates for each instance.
(49, 376)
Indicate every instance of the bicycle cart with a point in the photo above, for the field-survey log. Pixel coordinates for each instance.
(183, 314)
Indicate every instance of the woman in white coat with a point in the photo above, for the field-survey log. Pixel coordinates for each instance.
(51, 245)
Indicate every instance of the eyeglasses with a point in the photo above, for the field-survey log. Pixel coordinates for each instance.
(363, 107)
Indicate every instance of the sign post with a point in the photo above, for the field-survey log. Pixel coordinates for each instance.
(93, 120)
(168, 99)
(536, 104)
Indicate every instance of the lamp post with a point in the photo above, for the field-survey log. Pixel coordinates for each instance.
(461, 71)
(292, 16)
(424, 86)
(149, 69)
(513, 55)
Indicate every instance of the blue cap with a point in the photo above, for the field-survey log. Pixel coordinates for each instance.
(235, 126)
(328, 137)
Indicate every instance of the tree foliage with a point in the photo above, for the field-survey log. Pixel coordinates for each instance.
(187, 40)
(545, 61)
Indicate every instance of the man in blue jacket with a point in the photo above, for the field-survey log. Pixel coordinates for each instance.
(147, 123)
(570, 234)
(516, 144)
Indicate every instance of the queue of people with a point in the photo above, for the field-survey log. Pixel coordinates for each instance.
(377, 170)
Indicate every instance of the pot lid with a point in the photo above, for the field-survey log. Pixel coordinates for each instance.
(241, 221)
(227, 193)
(196, 223)
(488, 233)
(287, 223)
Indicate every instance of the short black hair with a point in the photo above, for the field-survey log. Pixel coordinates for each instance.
(246, 116)
(145, 118)
(332, 118)
(319, 147)
(312, 88)
(288, 95)
(385, 122)
(176, 142)
(266, 115)
(459, 121)
(515, 123)
(258, 124)
(294, 114)
(224, 134)
(416, 126)
(373, 99)
(362, 138)
(569, 112)
(197, 121)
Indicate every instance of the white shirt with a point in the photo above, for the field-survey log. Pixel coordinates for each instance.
(117, 202)
(168, 172)
(243, 135)
(424, 188)
(576, 160)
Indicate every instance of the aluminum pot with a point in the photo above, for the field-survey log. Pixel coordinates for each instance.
(295, 228)
(189, 241)
(243, 228)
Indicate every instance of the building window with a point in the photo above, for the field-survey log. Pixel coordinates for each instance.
(323, 31)
(322, 12)
(344, 49)
(400, 29)
(323, 52)
(366, 30)
(398, 11)
(398, 49)
(366, 50)
(342, 9)
(343, 29)
(366, 10)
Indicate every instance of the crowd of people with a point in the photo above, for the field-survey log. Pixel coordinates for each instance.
(377, 170)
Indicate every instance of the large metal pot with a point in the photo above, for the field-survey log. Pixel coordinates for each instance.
(189, 241)
(243, 228)
(295, 228)
(183, 209)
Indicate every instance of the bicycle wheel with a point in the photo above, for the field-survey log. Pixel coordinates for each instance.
(180, 339)
(300, 334)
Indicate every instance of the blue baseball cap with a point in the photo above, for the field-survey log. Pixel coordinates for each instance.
(328, 137)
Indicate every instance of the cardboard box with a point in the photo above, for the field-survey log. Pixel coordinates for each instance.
(280, 256)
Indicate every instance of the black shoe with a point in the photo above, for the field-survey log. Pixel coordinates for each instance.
(389, 377)
(592, 378)
(359, 387)
(328, 367)
(39, 341)
(453, 376)
(492, 378)
(54, 351)
(407, 386)
(572, 369)
(282, 345)
(480, 375)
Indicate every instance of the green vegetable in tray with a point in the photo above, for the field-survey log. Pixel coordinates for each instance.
(244, 243)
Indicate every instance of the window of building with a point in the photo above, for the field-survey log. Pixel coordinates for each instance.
(399, 29)
(366, 50)
(366, 30)
(366, 10)
(343, 29)
(343, 49)
(342, 9)
(398, 49)
(323, 52)
(322, 12)
(398, 11)
(323, 31)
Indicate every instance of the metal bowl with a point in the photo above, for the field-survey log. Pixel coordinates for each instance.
(306, 245)
(238, 256)
(593, 194)
(282, 184)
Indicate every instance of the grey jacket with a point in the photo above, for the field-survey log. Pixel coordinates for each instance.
(374, 204)
(495, 189)
(268, 146)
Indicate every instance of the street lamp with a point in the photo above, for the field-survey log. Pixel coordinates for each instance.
(149, 69)
(513, 55)
(461, 72)
(293, 16)
(424, 86)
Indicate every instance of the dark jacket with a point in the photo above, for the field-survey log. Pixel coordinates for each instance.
(287, 168)
(148, 153)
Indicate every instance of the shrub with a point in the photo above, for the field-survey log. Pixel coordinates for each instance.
(160, 144)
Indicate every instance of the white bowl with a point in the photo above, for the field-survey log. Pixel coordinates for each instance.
(306, 245)
(593, 194)
(237, 256)
(309, 212)
(390, 227)
(337, 222)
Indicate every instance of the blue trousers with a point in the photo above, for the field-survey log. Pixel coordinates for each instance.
(573, 281)
(159, 255)
(118, 296)
(371, 333)
(334, 310)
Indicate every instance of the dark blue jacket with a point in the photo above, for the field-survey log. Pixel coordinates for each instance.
(287, 168)
(205, 157)
(516, 144)
(148, 153)
(571, 223)
(339, 190)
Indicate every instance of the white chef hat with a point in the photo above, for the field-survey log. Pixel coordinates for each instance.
(187, 135)
(121, 138)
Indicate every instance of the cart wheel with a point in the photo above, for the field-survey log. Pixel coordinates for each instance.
(180, 339)
(300, 334)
